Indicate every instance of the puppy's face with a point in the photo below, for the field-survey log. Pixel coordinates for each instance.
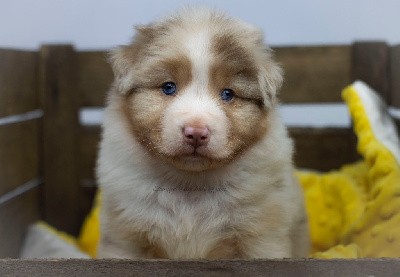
(197, 88)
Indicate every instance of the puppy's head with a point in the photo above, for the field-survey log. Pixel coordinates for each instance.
(197, 88)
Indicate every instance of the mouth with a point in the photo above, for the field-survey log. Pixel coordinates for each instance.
(193, 161)
(194, 152)
(193, 155)
(194, 158)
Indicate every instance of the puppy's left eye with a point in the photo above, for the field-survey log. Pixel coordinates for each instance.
(227, 94)
(169, 88)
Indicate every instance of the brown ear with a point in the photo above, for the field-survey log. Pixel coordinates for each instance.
(270, 74)
(147, 32)
(121, 64)
(124, 58)
(270, 78)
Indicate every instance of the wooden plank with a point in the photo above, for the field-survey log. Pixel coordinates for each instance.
(15, 216)
(397, 123)
(370, 63)
(324, 149)
(18, 76)
(314, 74)
(19, 154)
(278, 267)
(395, 75)
(89, 142)
(60, 102)
(94, 77)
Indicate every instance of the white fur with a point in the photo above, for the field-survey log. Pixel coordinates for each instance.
(197, 47)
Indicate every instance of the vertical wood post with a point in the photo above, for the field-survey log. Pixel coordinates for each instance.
(395, 75)
(370, 63)
(59, 100)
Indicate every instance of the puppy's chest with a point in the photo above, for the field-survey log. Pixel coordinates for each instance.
(189, 228)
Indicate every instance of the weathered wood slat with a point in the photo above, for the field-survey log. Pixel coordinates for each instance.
(89, 142)
(314, 74)
(324, 149)
(95, 77)
(15, 216)
(60, 102)
(19, 154)
(370, 61)
(395, 75)
(18, 76)
(287, 267)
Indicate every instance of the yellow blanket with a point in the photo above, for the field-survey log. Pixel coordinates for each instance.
(354, 212)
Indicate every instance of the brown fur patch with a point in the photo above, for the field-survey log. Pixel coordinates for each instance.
(153, 65)
(153, 73)
(154, 56)
(145, 103)
(234, 68)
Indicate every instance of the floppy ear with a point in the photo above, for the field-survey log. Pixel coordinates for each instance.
(270, 78)
(124, 58)
(270, 74)
(122, 66)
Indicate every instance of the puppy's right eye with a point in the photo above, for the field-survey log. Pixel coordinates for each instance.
(168, 88)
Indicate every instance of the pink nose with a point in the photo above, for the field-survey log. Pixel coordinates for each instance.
(196, 136)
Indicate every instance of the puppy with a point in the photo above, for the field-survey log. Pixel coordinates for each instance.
(194, 161)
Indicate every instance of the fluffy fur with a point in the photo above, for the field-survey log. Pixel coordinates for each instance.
(233, 196)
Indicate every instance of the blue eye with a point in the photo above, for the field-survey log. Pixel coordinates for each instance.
(169, 88)
(227, 94)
